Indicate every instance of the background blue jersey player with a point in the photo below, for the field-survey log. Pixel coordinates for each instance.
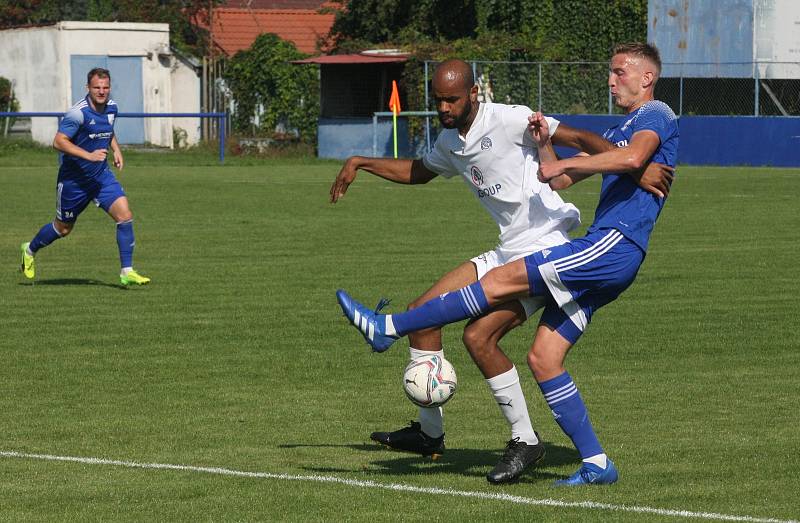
(84, 136)
(577, 277)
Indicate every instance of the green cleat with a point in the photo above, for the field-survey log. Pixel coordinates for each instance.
(27, 266)
(133, 278)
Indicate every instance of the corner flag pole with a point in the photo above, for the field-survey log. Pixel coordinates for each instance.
(394, 106)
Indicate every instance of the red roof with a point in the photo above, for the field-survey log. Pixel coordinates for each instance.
(353, 59)
(236, 29)
(275, 4)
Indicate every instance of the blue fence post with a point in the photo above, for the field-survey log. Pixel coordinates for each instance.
(222, 122)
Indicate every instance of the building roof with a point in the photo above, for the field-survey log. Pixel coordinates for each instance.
(276, 4)
(235, 29)
(361, 58)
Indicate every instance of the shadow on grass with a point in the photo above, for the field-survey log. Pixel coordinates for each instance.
(75, 281)
(467, 462)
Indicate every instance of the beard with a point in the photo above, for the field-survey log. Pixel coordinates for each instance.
(457, 120)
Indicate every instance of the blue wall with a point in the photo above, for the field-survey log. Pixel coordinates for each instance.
(340, 138)
(723, 140)
(705, 140)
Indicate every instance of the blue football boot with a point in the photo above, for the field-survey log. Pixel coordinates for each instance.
(591, 474)
(369, 323)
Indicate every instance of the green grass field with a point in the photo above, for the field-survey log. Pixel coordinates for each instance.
(237, 358)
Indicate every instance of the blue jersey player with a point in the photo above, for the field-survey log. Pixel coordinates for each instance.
(84, 136)
(577, 277)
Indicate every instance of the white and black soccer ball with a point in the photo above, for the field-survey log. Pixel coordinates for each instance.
(429, 381)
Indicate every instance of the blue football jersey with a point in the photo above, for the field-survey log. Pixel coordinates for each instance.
(90, 131)
(623, 204)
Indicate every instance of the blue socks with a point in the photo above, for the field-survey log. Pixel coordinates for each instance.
(468, 302)
(46, 235)
(125, 242)
(570, 413)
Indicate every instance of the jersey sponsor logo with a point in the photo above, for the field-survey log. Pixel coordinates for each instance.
(621, 143)
(489, 191)
(111, 119)
(486, 143)
(95, 136)
(476, 175)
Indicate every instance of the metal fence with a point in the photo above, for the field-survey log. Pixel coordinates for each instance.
(218, 118)
(581, 87)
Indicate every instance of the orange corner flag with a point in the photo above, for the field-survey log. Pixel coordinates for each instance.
(394, 101)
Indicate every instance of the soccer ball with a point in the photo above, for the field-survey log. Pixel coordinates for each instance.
(429, 381)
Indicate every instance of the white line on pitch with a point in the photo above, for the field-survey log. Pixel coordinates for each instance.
(400, 487)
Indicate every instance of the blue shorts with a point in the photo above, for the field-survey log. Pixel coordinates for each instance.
(72, 196)
(581, 276)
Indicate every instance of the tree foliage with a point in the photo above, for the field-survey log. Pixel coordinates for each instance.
(177, 13)
(271, 91)
(532, 29)
(500, 31)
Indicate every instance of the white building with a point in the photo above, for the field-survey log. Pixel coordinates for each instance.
(48, 66)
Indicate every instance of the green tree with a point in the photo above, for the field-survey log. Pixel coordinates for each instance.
(265, 83)
(179, 14)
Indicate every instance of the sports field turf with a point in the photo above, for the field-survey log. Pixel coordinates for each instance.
(236, 366)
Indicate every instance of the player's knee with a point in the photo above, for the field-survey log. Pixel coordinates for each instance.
(124, 216)
(542, 364)
(63, 229)
(476, 341)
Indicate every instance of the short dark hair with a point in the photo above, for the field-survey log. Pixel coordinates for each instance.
(642, 50)
(99, 72)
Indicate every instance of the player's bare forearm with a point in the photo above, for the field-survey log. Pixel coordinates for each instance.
(632, 157)
(547, 153)
(395, 170)
(118, 160)
(580, 139)
(564, 181)
(63, 144)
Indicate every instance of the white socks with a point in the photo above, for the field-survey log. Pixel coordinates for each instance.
(601, 460)
(508, 394)
(125, 270)
(431, 420)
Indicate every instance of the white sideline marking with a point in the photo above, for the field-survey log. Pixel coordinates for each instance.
(400, 487)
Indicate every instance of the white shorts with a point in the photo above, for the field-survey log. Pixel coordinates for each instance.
(502, 255)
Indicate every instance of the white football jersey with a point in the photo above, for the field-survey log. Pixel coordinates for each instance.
(499, 161)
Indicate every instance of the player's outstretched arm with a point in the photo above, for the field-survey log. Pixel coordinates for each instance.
(395, 170)
(62, 143)
(654, 178)
(620, 159)
(580, 139)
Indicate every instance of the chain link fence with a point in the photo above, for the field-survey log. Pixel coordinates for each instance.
(581, 88)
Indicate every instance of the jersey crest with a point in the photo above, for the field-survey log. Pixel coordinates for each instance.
(477, 176)
(486, 143)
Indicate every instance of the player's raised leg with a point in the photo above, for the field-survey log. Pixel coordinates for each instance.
(546, 360)
(120, 212)
(499, 285)
(482, 337)
(426, 436)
